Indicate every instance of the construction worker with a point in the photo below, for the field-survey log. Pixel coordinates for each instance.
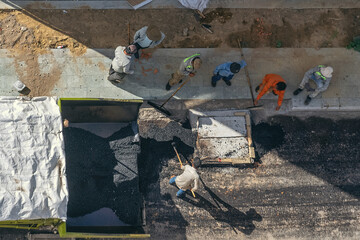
(321, 76)
(226, 72)
(148, 37)
(121, 63)
(188, 67)
(274, 83)
(188, 178)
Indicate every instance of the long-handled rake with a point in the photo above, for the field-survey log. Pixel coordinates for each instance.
(161, 107)
(254, 107)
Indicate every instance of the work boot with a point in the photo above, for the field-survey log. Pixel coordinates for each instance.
(227, 83)
(308, 100)
(297, 91)
(168, 87)
(213, 84)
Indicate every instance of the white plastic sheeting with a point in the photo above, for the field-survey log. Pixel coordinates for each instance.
(195, 4)
(32, 160)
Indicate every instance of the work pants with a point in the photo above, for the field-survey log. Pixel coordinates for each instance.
(310, 87)
(115, 76)
(217, 77)
(176, 78)
(181, 193)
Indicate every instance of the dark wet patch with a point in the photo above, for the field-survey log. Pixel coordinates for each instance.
(268, 136)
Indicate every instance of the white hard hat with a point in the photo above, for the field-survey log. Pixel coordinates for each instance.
(327, 71)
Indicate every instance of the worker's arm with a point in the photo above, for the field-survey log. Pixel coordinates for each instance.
(126, 68)
(220, 69)
(264, 87)
(196, 184)
(155, 43)
(320, 89)
(325, 86)
(139, 34)
(242, 64)
(280, 99)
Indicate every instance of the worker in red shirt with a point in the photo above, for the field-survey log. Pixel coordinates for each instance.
(274, 83)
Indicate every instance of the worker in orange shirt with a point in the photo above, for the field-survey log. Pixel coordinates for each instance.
(274, 83)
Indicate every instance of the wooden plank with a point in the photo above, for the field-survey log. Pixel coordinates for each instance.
(138, 3)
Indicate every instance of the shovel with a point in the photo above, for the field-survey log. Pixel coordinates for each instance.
(161, 107)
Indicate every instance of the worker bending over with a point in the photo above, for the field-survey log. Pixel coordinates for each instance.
(188, 180)
(274, 83)
(148, 37)
(321, 76)
(121, 63)
(226, 72)
(188, 67)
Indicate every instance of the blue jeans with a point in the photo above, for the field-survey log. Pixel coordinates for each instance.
(217, 77)
(180, 193)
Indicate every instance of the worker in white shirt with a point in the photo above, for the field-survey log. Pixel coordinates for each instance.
(188, 180)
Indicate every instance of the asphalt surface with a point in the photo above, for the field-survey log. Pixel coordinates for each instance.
(306, 186)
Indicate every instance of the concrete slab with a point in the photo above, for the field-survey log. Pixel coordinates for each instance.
(86, 75)
(222, 126)
(123, 4)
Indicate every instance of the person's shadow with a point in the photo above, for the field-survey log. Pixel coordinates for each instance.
(224, 212)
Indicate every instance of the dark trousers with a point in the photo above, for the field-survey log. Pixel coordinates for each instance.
(217, 77)
(115, 76)
(138, 48)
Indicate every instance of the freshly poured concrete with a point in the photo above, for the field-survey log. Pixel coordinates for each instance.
(86, 76)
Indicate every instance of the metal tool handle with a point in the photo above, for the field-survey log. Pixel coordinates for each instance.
(176, 91)
(177, 154)
(246, 71)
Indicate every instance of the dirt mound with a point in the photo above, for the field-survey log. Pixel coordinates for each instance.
(26, 39)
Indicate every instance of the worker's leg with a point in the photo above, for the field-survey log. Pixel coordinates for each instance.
(304, 82)
(314, 93)
(175, 79)
(115, 76)
(227, 80)
(214, 79)
(172, 180)
(180, 193)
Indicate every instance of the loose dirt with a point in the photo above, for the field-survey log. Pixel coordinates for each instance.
(31, 32)
(257, 27)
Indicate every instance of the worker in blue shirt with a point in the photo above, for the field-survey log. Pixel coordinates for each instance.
(226, 72)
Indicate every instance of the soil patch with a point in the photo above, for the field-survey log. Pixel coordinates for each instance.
(26, 39)
(258, 27)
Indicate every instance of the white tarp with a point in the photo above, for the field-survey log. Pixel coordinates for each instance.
(32, 160)
(195, 4)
